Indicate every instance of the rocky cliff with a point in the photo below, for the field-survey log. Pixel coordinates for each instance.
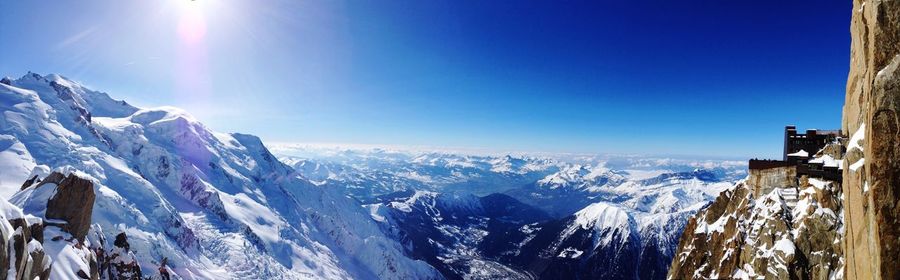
(770, 225)
(872, 171)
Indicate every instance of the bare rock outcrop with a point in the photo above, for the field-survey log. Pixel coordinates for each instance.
(872, 165)
(56, 216)
(72, 203)
(27, 255)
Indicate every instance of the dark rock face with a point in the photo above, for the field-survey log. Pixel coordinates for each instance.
(38, 270)
(73, 203)
(122, 241)
(29, 182)
(23, 238)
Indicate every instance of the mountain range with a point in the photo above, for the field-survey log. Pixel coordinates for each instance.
(200, 204)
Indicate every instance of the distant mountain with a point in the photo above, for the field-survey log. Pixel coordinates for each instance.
(556, 220)
(368, 174)
(364, 185)
(576, 187)
(613, 224)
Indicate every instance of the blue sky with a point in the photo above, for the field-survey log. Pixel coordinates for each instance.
(709, 77)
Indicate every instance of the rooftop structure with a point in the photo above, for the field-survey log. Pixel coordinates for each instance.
(799, 148)
(806, 143)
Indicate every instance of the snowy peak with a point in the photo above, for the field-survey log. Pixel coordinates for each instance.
(601, 216)
(582, 177)
(75, 95)
(508, 164)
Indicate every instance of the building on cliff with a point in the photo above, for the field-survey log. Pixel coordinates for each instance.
(802, 144)
(799, 148)
(777, 223)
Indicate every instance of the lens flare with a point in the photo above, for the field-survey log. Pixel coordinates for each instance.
(192, 22)
(193, 77)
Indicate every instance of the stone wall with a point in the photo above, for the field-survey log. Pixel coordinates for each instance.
(762, 181)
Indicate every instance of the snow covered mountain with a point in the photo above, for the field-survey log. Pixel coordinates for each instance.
(209, 205)
(213, 205)
(622, 227)
(495, 236)
(584, 219)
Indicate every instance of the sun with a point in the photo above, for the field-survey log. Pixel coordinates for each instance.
(191, 6)
(192, 20)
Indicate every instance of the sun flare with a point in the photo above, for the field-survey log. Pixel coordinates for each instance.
(192, 20)
(191, 6)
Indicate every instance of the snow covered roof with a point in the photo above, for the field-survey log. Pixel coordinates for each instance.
(800, 153)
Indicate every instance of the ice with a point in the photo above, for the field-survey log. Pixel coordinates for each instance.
(33, 200)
